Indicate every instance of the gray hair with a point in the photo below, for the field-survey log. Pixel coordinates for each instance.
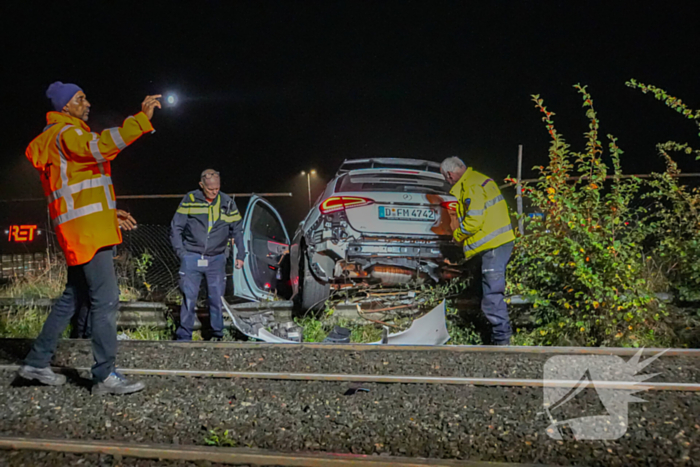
(452, 164)
(201, 176)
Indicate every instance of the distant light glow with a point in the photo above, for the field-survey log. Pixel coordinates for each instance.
(171, 99)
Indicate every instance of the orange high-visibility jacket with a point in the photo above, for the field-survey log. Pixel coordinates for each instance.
(76, 176)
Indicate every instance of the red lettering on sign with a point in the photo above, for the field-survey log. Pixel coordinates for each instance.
(21, 233)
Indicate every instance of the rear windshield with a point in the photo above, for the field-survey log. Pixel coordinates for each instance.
(392, 182)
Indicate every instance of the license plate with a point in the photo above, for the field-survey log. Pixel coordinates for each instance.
(406, 214)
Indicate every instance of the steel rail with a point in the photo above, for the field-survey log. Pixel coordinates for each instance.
(513, 349)
(231, 455)
(395, 379)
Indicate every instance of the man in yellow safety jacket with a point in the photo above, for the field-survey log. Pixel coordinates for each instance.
(75, 170)
(485, 231)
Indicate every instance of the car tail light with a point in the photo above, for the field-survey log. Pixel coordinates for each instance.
(340, 203)
(449, 205)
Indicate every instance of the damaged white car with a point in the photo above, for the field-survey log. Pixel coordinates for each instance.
(378, 221)
(381, 221)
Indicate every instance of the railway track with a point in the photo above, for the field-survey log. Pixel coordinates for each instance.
(393, 379)
(258, 404)
(233, 456)
(454, 349)
(480, 365)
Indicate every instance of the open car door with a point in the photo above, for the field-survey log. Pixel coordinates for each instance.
(264, 275)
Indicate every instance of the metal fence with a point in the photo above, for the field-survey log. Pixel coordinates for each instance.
(147, 259)
(20, 265)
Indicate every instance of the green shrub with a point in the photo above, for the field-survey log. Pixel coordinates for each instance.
(581, 263)
(673, 221)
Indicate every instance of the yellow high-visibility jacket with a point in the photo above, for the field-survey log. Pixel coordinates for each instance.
(76, 174)
(484, 222)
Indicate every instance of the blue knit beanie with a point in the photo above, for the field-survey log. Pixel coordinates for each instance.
(60, 94)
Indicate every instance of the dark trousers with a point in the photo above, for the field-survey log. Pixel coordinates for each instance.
(82, 328)
(97, 280)
(493, 284)
(190, 279)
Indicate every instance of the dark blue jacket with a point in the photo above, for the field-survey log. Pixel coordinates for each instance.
(204, 228)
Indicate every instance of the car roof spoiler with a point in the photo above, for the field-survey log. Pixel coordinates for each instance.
(388, 163)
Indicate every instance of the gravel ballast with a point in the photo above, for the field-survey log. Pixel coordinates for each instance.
(52, 459)
(464, 422)
(78, 354)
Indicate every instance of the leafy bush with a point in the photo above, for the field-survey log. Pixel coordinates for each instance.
(673, 221)
(607, 243)
(582, 263)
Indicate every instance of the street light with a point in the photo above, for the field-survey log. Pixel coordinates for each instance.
(308, 182)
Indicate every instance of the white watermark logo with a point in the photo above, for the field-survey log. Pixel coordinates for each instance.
(614, 381)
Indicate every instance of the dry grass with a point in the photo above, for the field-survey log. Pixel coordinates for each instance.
(24, 322)
(48, 283)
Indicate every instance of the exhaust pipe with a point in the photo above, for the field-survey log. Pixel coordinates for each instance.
(392, 275)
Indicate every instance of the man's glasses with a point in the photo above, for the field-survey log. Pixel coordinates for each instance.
(210, 175)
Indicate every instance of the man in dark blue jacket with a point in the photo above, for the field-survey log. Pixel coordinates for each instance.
(201, 228)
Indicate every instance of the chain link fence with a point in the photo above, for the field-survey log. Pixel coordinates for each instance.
(147, 266)
(147, 262)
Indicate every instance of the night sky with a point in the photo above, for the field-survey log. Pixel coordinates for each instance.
(268, 89)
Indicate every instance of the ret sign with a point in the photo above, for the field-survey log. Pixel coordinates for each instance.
(22, 233)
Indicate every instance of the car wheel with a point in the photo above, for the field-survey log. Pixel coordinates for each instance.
(314, 292)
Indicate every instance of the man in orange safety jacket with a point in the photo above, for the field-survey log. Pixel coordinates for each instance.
(74, 164)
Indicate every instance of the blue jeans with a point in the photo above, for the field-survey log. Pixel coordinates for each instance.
(97, 280)
(190, 278)
(493, 284)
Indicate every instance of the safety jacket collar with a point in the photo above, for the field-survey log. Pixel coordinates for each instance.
(456, 190)
(199, 196)
(59, 117)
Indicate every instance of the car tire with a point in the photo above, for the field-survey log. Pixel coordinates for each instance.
(314, 292)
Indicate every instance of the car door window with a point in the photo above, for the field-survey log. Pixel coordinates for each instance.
(268, 246)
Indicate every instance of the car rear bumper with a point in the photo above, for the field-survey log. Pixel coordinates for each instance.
(408, 248)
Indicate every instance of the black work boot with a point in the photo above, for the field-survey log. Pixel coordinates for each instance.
(43, 375)
(116, 383)
(503, 342)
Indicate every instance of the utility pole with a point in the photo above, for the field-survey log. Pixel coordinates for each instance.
(308, 182)
(519, 190)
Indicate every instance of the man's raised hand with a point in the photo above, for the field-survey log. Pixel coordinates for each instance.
(149, 104)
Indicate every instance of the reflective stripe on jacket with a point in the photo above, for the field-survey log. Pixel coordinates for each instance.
(74, 164)
(205, 228)
(484, 222)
